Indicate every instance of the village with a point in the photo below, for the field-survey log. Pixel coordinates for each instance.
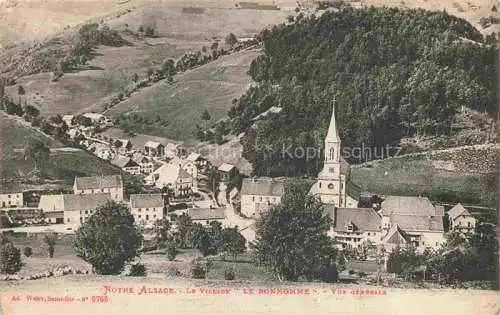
(189, 184)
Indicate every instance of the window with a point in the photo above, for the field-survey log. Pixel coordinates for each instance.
(147, 209)
(102, 189)
(368, 233)
(267, 198)
(147, 216)
(81, 220)
(253, 198)
(469, 224)
(9, 196)
(332, 153)
(319, 184)
(260, 198)
(274, 199)
(68, 220)
(154, 215)
(86, 212)
(139, 216)
(330, 186)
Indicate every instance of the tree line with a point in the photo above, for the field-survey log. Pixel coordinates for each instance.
(394, 73)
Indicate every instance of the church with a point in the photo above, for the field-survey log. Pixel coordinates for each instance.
(331, 185)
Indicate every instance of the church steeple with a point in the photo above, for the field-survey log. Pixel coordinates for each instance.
(332, 135)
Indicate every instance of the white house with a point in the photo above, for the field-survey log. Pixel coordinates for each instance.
(147, 208)
(10, 196)
(206, 215)
(174, 176)
(112, 184)
(126, 164)
(153, 148)
(191, 168)
(52, 207)
(227, 172)
(68, 120)
(461, 220)
(258, 194)
(354, 226)
(145, 164)
(98, 119)
(100, 150)
(78, 208)
(197, 159)
(412, 219)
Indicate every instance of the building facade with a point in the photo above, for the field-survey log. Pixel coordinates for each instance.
(11, 199)
(147, 208)
(461, 220)
(112, 184)
(258, 194)
(78, 208)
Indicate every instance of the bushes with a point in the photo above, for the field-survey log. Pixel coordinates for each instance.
(10, 259)
(229, 274)
(27, 251)
(137, 270)
(171, 251)
(173, 272)
(198, 272)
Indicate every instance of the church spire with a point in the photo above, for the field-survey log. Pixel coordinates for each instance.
(332, 135)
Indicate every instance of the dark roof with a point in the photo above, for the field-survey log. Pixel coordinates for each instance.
(395, 236)
(206, 214)
(53, 214)
(363, 219)
(146, 201)
(85, 201)
(123, 161)
(403, 205)
(98, 182)
(262, 187)
(410, 223)
(457, 211)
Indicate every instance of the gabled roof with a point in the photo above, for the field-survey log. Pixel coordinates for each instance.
(85, 201)
(395, 236)
(146, 201)
(98, 182)
(262, 187)
(412, 223)
(140, 158)
(193, 157)
(49, 203)
(123, 161)
(225, 167)
(404, 205)
(457, 211)
(363, 219)
(153, 144)
(183, 173)
(206, 214)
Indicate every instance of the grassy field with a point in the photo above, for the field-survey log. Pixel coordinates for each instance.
(210, 87)
(421, 176)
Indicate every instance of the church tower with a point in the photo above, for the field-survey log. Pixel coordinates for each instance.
(331, 183)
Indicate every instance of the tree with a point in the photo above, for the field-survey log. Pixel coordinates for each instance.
(292, 238)
(117, 144)
(162, 231)
(108, 239)
(82, 120)
(214, 46)
(171, 251)
(232, 242)
(21, 90)
(205, 115)
(404, 260)
(50, 240)
(10, 259)
(149, 74)
(37, 150)
(31, 111)
(183, 223)
(168, 67)
(135, 77)
(231, 39)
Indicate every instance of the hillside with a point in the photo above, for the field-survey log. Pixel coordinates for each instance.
(467, 175)
(394, 74)
(62, 167)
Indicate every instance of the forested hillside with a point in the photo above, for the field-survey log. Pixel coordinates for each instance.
(394, 74)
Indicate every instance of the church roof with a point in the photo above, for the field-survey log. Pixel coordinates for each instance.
(332, 135)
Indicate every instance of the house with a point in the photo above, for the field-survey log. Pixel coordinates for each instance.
(121, 146)
(100, 150)
(68, 120)
(10, 196)
(99, 119)
(153, 148)
(171, 150)
(197, 159)
(418, 221)
(174, 176)
(73, 133)
(78, 208)
(54, 217)
(147, 208)
(112, 184)
(126, 164)
(257, 195)
(206, 215)
(146, 166)
(461, 220)
(191, 168)
(354, 226)
(227, 172)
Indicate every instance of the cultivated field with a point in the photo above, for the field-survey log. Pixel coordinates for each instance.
(210, 87)
(452, 176)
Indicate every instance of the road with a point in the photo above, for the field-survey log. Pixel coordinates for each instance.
(244, 225)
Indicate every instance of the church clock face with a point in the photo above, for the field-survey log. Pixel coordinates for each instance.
(330, 186)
